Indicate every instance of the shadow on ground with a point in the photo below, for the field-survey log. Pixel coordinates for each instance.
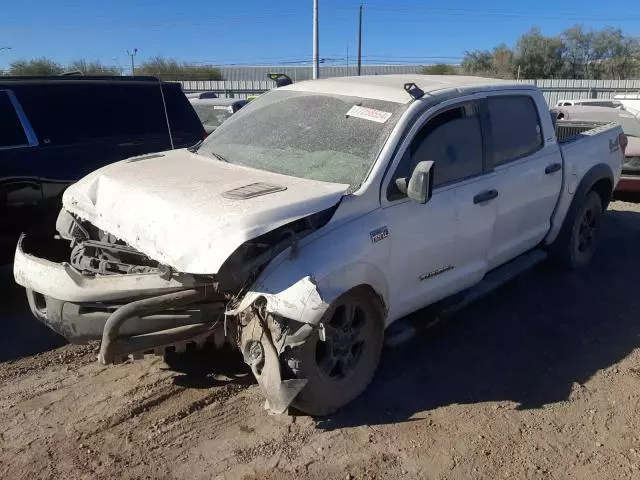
(209, 367)
(21, 334)
(527, 343)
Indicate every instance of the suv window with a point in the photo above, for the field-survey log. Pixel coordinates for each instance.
(11, 131)
(513, 139)
(453, 140)
(67, 113)
(182, 117)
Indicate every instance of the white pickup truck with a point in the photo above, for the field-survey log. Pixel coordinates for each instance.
(314, 218)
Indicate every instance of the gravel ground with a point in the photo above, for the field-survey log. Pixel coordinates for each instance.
(540, 380)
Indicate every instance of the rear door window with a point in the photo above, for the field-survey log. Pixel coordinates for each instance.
(67, 113)
(12, 133)
(516, 131)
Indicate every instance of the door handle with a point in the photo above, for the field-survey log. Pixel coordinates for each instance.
(554, 167)
(485, 196)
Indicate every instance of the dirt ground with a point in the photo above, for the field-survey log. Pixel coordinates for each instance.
(541, 380)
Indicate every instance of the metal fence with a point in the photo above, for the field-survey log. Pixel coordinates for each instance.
(554, 89)
(561, 89)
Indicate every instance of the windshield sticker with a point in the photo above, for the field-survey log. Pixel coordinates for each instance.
(369, 114)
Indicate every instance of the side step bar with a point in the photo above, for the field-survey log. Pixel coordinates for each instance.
(403, 330)
(492, 281)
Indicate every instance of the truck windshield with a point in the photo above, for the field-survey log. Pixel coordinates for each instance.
(331, 138)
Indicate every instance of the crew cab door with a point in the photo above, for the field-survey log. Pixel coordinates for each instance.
(525, 157)
(441, 247)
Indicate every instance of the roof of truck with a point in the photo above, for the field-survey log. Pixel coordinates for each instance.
(391, 87)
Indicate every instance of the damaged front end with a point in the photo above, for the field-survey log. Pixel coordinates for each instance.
(105, 290)
(88, 285)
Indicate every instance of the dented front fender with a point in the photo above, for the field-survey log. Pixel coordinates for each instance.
(301, 302)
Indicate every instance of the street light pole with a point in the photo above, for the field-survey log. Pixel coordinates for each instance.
(133, 68)
(316, 60)
(360, 42)
(5, 48)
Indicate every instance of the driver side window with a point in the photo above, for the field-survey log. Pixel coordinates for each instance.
(453, 140)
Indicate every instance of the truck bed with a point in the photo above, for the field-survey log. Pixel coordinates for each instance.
(584, 145)
(570, 131)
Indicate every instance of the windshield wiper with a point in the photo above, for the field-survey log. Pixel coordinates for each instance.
(219, 157)
(194, 148)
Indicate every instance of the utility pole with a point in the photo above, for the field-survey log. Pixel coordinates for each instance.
(360, 42)
(316, 59)
(347, 58)
(132, 54)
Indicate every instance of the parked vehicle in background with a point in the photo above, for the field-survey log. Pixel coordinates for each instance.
(213, 111)
(55, 130)
(315, 218)
(630, 179)
(631, 102)
(208, 94)
(592, 102)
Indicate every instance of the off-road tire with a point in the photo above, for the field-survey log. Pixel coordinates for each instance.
(570, 249)
(323, 395)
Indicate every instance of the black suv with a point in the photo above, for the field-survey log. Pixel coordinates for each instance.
(55, 130)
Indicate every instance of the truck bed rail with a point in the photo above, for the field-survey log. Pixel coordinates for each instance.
(568, 131)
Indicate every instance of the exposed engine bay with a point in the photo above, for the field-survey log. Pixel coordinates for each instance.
(193, 310)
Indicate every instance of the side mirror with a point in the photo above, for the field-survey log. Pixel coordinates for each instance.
(420, 186)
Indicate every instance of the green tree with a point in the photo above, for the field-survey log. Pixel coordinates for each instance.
(440, 69)
(36, 66)
(616, 55)
(477, 62)
(91, 68)
(537, 56)
(502, 61)
(171, 69)
(579, 52)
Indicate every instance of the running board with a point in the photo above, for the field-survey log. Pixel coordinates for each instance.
(404, 330)
(492, 281)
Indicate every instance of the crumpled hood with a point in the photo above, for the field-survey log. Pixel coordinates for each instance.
(179, 208)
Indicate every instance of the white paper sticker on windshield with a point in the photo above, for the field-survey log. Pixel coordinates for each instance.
(369, 114)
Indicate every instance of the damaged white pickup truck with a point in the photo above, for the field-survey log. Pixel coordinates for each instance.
(314, 218)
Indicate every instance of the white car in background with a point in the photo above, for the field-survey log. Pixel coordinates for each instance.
(631, 102)
(591, 102)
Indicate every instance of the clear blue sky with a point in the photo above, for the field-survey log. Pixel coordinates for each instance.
(273, 32)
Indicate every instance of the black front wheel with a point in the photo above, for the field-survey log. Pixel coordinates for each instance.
(341, 367)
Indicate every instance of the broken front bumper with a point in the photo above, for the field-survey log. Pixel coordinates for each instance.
(132, 314)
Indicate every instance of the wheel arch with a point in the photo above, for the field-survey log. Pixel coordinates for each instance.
(598, 178)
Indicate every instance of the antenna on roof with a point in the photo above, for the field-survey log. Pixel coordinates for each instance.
(414, 90)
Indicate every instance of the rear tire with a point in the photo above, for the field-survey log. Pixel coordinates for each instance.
(577, 243)
(340, 368)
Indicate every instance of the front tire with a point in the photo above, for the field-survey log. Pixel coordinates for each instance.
(341, 367)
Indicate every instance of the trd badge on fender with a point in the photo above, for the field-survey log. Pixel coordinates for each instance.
(379, 234)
